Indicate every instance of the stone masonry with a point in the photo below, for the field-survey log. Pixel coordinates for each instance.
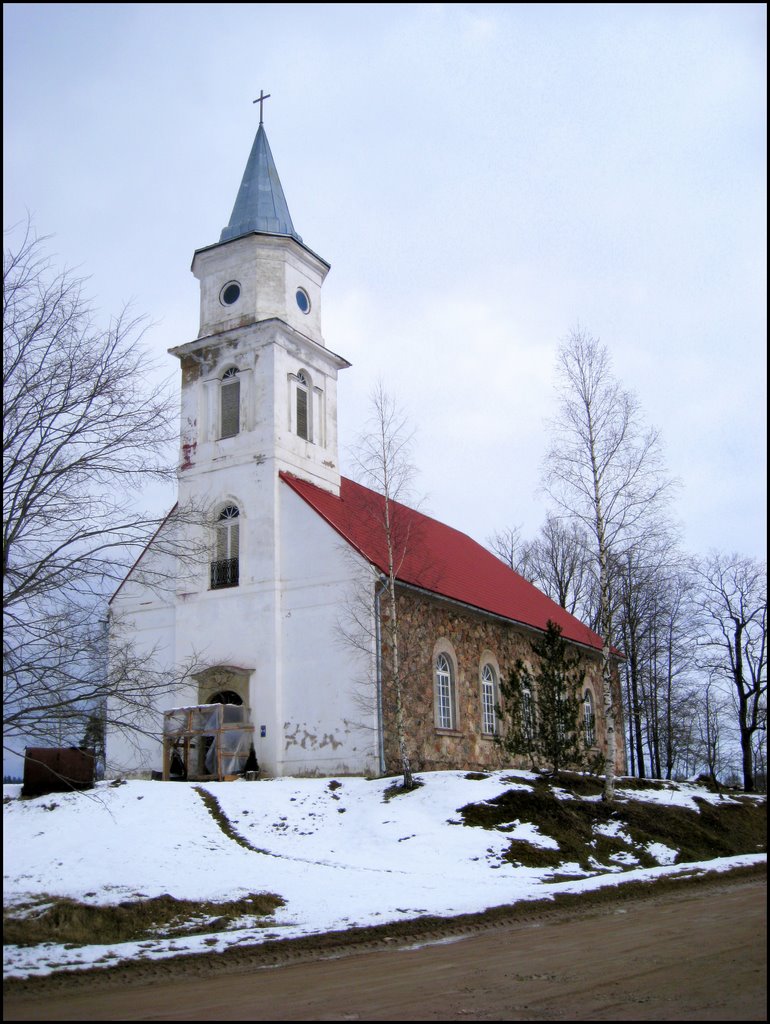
(469, 639)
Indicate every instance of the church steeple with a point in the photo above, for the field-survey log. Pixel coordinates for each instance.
(260, 204)
(259, 383)
(260, 268)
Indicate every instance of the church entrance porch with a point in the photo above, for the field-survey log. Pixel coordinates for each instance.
(207, 742)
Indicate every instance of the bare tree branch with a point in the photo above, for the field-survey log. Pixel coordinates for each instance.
(83, 431)
(604, 470)
(733, 599)
(383, 462)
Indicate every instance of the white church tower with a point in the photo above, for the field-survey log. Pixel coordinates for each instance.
(259, 385)
(258, 397)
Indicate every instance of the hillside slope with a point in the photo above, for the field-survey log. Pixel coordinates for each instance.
(146, 870)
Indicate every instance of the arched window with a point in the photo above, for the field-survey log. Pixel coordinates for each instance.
(488, 700)
(589, 718)
(230, 404)
(224, 567)
(446, 715)
(225, 697)
(527, 715)
(223, 684)
(303, 406)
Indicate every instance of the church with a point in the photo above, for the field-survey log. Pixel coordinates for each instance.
(270, 626)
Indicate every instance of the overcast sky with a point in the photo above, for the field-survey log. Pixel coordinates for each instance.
(481, 178)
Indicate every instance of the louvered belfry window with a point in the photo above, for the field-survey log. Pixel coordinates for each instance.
(230, 403)
(302, 407)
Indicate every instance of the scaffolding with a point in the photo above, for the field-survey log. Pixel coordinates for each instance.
(207, 742)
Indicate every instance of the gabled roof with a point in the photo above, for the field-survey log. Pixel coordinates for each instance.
(260, 204)
(437, 558)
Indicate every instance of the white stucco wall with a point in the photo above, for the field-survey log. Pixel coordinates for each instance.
(268, 269)
(311, 702)
(142, 626)
(328, 694)
(311, 693)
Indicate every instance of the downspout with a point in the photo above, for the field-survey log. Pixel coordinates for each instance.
(380, 587)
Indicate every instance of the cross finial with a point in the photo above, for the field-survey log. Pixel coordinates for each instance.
(260, 100)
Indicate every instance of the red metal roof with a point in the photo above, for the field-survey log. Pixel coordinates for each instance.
(436, 558)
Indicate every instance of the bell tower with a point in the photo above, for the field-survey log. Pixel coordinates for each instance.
(259, 396)
(255, 578)
(258, 383)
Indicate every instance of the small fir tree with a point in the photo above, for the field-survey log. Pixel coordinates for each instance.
(93, 739)
(541, 706)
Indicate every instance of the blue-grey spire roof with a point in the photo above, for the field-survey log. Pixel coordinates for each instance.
(260, 204)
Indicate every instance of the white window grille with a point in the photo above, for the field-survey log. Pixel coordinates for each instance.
(445, 717)
(488, 700)
(589, 718)
(528, 715)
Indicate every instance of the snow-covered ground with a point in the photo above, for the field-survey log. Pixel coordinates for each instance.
(340, 857)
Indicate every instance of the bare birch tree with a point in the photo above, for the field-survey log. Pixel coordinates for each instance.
(83, 430)
(710, 717)
(603, 469)
(733, 597)
(383, 460)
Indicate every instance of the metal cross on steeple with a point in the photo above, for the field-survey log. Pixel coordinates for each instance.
(261, 99)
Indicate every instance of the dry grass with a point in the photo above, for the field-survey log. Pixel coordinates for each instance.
(397, 788)
(724, 829)
(67, 921)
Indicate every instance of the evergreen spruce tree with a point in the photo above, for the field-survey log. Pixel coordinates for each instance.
(541, 705)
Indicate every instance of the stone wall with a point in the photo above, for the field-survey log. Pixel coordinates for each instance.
(429, 627)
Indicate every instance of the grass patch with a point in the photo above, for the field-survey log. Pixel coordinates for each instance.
(526, 855)
(629, 782)
(715, 830)
(578, 783)
(215, 810)
(476, 776)
(62, 920)
(515, 779)
(399, 789)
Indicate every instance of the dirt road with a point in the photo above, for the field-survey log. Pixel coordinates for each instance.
(695, 954)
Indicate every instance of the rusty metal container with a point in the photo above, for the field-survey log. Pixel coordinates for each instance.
(57, 770)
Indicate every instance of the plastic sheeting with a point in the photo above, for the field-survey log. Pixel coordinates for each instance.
(213, 740)
(228, 753)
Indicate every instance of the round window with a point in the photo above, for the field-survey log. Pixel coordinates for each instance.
(303, 300)
(230, 293)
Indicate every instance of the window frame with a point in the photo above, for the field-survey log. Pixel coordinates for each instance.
(303, 382)
(528, 720)
(444, 692)
(224, 573)
(229, 385)
(303, 389)
(490, 698)
(589, 717)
